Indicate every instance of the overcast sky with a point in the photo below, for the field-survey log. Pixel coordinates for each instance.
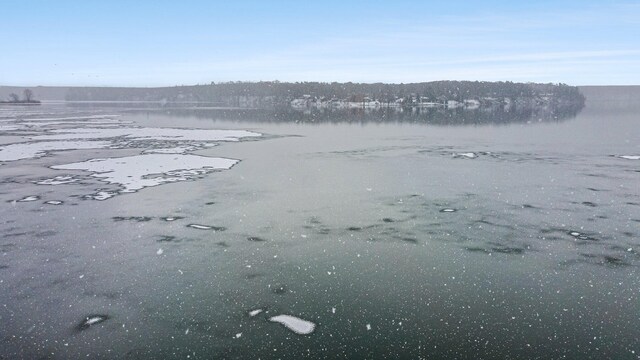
(157, 43)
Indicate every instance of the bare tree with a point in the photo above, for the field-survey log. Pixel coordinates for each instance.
(28, 95)
(13, 97)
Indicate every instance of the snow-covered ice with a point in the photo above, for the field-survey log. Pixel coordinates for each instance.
(255, 312)
(20, 151)
(133, 173)
(294, 324)
(29, 198)
(467, 155)
(630, 157)
(135, 133)
(58, 180)
(174, 150)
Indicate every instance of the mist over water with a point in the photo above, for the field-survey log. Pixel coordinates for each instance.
(319, 234)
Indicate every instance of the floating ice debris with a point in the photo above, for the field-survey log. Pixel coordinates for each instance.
(136, 172)
(92, 320)
(30, 198)
(368, 327)
(255, 312)
(580, 236)
(134, 133)
(20, 151)
(294, 324)
(132, 218)
(630, 157)
(207, 227)
(448, 210)
(160, 251)
(102, 195)
(238, 335)
(171, 218)
(467, 155)
(333, 310)
(58, 180)
(53, 202)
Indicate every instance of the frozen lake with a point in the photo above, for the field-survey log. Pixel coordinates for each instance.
(204, 233)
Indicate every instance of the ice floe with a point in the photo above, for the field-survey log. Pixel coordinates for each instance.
(206, 227)
(101, 195)
(294, 324)
(630, 157)
(255, 312)
(30, 198)
(133, 173)
(135, 133)
(91, 320)
(58, 180)
(20, 151)
(467, 155)
(174, 150)
(53, 202)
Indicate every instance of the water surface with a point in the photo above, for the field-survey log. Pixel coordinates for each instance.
(363, 237)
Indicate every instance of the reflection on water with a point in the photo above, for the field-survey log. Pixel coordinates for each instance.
(498, 114)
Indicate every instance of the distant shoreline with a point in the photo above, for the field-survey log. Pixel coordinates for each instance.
(33, 102)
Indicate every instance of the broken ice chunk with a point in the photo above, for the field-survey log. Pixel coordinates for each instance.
(294, 324)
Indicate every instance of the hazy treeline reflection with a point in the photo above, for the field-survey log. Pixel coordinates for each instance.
(416, 115)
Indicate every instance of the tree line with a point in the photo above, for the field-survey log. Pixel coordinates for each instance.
(27, 98)
(274, 93)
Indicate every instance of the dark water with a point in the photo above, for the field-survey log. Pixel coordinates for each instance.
(402, 239)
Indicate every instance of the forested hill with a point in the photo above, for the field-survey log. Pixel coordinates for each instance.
(269, 93)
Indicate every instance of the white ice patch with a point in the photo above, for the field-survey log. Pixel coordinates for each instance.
(20, 151)
(10, 127)
(255, 312)
(53, 202)
(93, 320)
(133, 173)
(630, 157)
(200, 227)
(29, 198)
(132, 133)
(294, 324)
(58, 180)
(102, 195)
(467, 155)
(78, 118)
(174, 150)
